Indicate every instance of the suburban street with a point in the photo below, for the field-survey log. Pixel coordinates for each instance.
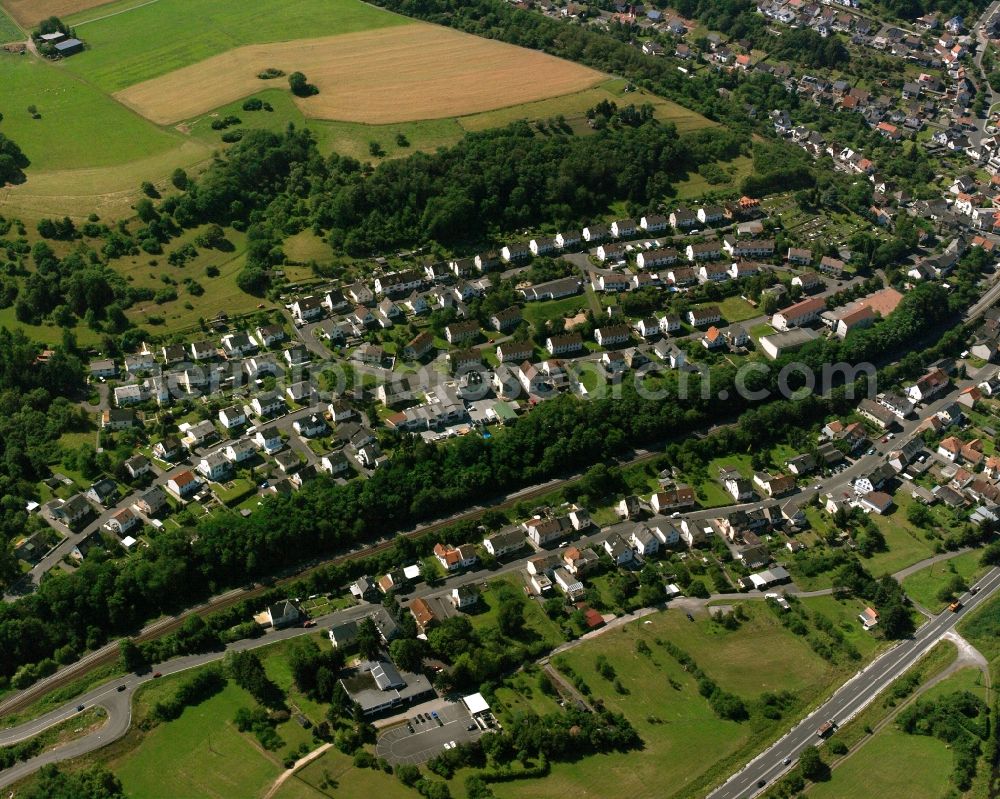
(850, 699)
(118, 703)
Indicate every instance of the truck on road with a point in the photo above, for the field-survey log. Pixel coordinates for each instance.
(826, 729)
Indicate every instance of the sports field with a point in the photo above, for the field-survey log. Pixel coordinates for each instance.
(377, 77)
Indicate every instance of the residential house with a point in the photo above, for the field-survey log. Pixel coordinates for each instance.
(612, 336)
(419, 346)
(512, 351)
(799, 314)
(568, 584)
(506, 320)
(619, 551)
(701, 317)
(928, 386)
(335, 463)
(151, 502)
(103, 492)
(504, 542)
(183, 484)
(643, 541)
(232, 416)
(122, 521)
(455, 558)
(566, 344)
(307, 309)
(214, 466)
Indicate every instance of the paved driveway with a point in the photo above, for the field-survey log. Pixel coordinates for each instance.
(399, 745)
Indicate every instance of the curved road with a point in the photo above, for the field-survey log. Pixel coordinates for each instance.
(850, 699)
(118, 703)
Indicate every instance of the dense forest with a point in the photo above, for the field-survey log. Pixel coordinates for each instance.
(71, 613)
(500, 180)
(34, 412)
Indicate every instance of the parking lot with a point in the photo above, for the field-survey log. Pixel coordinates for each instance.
(398, 745)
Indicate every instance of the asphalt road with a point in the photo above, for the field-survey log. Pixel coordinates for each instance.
(850, 699)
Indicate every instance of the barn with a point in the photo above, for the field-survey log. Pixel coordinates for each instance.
(68, 47)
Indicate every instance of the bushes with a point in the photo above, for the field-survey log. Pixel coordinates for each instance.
(225, 122)
(300, 86)
(204, 685)
(724, 704)
(961, 720)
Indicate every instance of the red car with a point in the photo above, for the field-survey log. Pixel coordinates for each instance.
(309, 623)
(157, 674)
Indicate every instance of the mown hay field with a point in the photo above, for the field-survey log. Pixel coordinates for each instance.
(30, 12)
(376, 77)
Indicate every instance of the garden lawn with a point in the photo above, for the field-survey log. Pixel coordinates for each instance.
(686, 745)
(906, 544)
(535, 618)
(891, 764)
(537, 313)
(201, 754)
(923, 586)
(736, 309)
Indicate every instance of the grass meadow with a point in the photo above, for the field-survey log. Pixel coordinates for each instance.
(79, 127)
(9, 31)
(923, 586)
(686, 745)
(201, 755)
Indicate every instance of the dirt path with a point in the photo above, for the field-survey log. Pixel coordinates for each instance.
(287, 773)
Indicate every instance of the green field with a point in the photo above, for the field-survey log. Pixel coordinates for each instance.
(736, 309)
(893, 764)
(347, 138)
(9, 32)
(923, 586)
(906, 543)
(537, 313)
(79, 126)
(120, 51)
(333, 774)
(574, 108)
(686, 744)
(535, 619)
(695, 184)
(201, 754)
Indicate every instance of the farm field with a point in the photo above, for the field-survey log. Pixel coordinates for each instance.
(676, 724)
(79, 127)
(121, 53)
(397, 74)
(9, 32)
(30, 12)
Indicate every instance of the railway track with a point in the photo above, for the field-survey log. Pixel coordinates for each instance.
(109, 653)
